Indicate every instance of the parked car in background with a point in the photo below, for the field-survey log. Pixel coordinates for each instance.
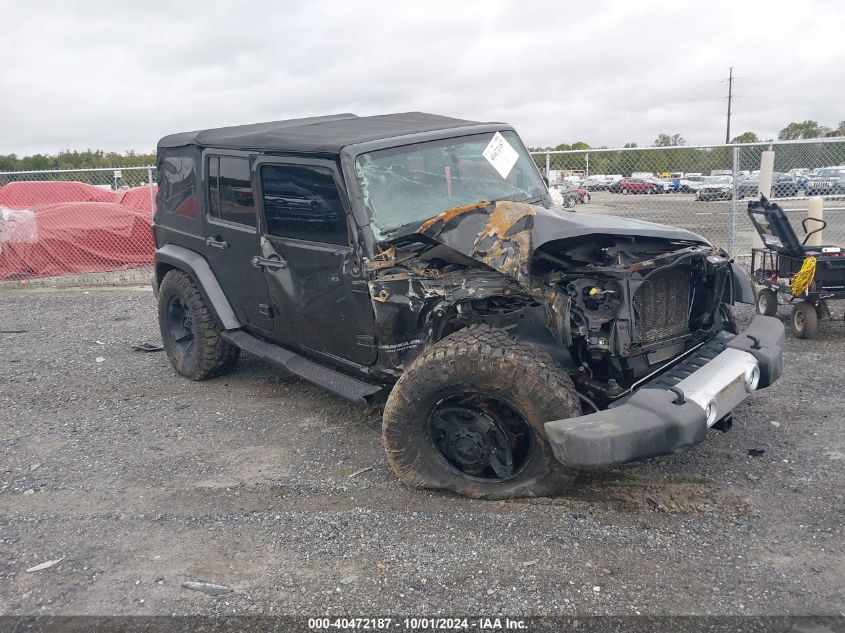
(826, 182)
(595, 184)
(613, 185)
(570, 195)
(690, 184)
(783, 186)
(664, 186)
(715, 188)
(674, 184)
(635, 185)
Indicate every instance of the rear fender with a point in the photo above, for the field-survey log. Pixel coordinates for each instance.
(172, 256)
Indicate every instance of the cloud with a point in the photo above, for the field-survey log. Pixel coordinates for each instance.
(117, 77)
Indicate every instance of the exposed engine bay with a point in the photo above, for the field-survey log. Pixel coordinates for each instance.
(612, 308)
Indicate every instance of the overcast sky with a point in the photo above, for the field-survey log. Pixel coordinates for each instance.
(120, 75)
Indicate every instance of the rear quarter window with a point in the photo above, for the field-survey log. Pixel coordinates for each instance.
(177, 192)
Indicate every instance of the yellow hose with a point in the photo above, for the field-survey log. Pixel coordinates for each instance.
(804, 277)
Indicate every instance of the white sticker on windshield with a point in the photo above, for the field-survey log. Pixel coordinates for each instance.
(501, 155)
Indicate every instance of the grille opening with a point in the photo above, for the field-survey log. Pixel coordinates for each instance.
(661, 304)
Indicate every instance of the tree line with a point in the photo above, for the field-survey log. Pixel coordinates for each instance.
(73, 159)
(677, 158)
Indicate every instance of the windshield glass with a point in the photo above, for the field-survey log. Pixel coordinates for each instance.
(409, 184)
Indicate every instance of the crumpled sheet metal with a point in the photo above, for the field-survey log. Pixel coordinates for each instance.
(498, 234)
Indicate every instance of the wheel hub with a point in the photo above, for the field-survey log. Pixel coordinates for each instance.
(181, 324)
(479, 442)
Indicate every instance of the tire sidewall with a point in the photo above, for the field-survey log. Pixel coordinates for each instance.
(809, 320)
(410, 447)
(767, 302)
(172, 286)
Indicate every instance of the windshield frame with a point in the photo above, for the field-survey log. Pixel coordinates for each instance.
(350, 154)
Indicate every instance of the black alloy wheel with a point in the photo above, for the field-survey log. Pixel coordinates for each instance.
(181, 324)
(481, 437)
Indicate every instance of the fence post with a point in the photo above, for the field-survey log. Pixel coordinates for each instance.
(548, 166)
(150, 184)
(734, 201)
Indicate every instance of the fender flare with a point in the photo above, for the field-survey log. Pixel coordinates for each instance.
(196, 265)
(743, 288)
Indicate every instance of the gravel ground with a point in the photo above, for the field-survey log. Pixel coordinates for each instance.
(139, 480)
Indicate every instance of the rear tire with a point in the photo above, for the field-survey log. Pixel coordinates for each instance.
(497, 393)
(804, 322)
(767, 302)
(190, 332)
(624, 191)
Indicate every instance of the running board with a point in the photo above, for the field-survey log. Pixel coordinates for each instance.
(351, 388)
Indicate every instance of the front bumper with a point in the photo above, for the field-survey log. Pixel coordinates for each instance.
(672, 412)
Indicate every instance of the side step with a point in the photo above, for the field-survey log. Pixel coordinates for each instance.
(336, 382)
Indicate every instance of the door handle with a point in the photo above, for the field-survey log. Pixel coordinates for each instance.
(221, 244)
(274, 261)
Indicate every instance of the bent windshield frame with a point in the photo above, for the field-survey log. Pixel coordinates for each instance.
(411, 183)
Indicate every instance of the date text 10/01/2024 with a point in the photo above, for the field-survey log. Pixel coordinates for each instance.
(417, 624)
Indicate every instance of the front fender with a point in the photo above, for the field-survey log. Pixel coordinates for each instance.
(743, 289)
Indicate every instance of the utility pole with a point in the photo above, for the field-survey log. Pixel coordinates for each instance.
(730, 98)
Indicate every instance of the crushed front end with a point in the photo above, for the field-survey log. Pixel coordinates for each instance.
(639, 316)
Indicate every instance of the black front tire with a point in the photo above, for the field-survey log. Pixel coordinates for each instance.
(804, 321)
(767, 302)
(190, 332)
(726, 314)
(483, 362)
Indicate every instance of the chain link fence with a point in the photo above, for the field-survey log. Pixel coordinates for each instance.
(63, 222)
(75, 221)
(705, 189)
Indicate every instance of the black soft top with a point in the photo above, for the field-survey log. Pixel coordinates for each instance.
(317, 135)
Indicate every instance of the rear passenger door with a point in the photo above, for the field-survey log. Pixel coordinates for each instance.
(318, 293)
(231, 240)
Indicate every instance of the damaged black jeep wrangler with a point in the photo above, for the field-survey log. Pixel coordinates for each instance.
(420, 256)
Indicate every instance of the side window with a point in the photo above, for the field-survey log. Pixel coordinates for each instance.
(177, 178)
(302, 202)
(230, 190)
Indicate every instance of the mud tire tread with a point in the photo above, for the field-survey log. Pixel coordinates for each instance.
(489, 360)
(211, 356)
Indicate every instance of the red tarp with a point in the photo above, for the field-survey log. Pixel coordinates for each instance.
(25, 195)
(80, 229)
(137, 198)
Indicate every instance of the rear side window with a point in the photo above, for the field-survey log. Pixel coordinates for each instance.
(177, 180)
(302, 202)
(230, 190)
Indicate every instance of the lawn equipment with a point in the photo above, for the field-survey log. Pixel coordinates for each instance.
(810, 275)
